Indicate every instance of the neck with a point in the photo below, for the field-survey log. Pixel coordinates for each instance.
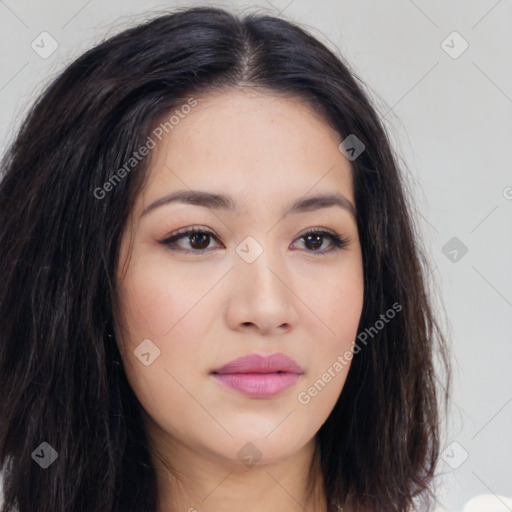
(191, 480)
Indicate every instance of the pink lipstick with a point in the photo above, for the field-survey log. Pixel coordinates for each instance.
(259, 376)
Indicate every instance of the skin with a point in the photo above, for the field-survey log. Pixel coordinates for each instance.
(205, 309)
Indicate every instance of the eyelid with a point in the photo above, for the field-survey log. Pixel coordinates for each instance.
(194, 229)
(316, 229)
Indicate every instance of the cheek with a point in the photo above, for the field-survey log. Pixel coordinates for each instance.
(174, 307)
(337, 303)
(155, 301)
(158, 305)
(334, 295)
(345, 307)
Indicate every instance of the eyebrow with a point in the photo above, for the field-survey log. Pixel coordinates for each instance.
(223, 202)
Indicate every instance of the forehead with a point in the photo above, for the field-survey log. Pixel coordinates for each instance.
(249, 144)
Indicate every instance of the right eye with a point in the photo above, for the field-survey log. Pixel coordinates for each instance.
(198, 240)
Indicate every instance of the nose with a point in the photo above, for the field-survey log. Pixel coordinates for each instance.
(262, 298)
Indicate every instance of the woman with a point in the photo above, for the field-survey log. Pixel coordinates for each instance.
(213, 293)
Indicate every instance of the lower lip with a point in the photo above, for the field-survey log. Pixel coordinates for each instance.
(258, 385)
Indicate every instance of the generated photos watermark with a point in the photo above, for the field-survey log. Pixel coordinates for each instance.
(151, 143)
(304, 397)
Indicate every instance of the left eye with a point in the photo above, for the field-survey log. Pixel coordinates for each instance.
(199, 240)
(316, 238)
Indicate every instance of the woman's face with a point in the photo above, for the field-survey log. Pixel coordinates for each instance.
(253, 281)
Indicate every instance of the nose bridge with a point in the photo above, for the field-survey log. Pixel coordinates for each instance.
(260, 264)
(262, 292)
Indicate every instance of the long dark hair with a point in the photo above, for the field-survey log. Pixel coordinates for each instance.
(60, 378)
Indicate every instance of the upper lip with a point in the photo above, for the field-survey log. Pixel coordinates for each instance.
(256, 363)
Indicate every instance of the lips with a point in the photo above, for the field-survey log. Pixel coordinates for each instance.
(259, 376)
(256, 363)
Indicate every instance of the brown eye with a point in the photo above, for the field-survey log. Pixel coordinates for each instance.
(313, 241)
(197, 240)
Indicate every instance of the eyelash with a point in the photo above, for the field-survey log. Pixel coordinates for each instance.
(337, 241)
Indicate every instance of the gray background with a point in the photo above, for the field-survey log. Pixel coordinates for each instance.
(450, 121)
